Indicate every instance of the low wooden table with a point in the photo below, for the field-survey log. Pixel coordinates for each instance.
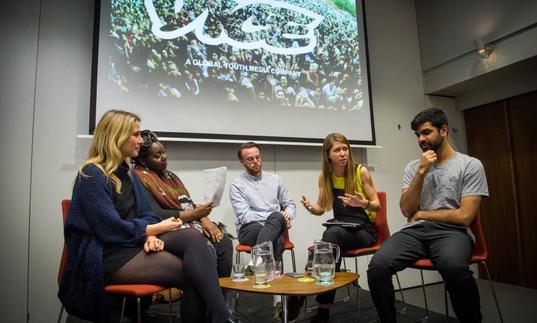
(288, 286)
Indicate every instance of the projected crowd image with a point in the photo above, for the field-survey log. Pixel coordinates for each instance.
(296, 54)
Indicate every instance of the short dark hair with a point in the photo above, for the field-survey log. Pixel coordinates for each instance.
(435, 116)
(246, 145)
(149, 137)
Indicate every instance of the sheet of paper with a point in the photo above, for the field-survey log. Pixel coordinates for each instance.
(214, 180)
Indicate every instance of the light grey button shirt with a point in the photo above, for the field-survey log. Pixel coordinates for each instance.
(255, 198)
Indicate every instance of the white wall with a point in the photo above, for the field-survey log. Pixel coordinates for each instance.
(17, 80)
(397, 97)
(46, 130)
(61, 111)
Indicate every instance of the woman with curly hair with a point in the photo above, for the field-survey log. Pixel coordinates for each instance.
(169, 197)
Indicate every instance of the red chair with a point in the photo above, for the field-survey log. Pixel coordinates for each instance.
(480, 255)
(287, 245)
(380, 224)
(124, 290)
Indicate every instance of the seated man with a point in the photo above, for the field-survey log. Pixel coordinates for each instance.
(263, 208)
(442, 192)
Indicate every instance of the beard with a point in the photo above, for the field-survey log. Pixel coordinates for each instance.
(432, 145)
(254, 170)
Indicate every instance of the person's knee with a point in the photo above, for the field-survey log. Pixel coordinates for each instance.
(453, 272)
(379, 266)
(249, 232)
(224, 247)
(331, 235)
(277, 218)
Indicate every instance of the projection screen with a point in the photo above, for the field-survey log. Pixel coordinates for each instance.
(282, 71)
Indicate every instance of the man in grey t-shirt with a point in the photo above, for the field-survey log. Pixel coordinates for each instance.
(441, 194)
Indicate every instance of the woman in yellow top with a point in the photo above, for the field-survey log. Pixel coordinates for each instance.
(348, 190)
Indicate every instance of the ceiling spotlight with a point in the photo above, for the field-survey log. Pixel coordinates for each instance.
(484, 50)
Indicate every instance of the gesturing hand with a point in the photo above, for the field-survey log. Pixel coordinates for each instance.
(307, 204)
(355, 200)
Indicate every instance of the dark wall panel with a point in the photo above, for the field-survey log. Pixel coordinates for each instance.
(522, 111)
(488, 140)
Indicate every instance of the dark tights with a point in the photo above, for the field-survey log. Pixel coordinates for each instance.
(186, 263)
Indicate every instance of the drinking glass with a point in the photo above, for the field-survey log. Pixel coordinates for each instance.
(278, 269)
(326, 274)
(239, 272)
(309, 263)
(260, 272)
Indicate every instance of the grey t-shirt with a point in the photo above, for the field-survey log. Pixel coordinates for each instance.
(446, 183)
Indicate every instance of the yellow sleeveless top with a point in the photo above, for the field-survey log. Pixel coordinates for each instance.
(339, 183)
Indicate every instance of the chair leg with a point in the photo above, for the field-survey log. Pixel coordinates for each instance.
(293, 259)
(357, 291)
(424, 296)
(493, 291)
(61, 313)
(348, 297)
(122, 309)
(170, 301)
(139, 309)
(403, 310)
(446, 302)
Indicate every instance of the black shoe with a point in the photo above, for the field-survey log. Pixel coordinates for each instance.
(294, 304)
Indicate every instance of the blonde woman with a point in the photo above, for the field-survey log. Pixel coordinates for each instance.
(113, 236)
(348, 190)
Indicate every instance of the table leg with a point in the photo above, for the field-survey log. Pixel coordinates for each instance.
(284, 308)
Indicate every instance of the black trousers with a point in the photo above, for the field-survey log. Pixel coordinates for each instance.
(224, 256)
(448, 246)
(254, 233)
(345, 238)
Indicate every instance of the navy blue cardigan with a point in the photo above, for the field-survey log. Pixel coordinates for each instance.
(92, 222)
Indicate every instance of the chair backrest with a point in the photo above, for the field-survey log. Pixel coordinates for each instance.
(380, 222)
(286, 235)
(287, 244)
(480, 249)
(66, 204)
